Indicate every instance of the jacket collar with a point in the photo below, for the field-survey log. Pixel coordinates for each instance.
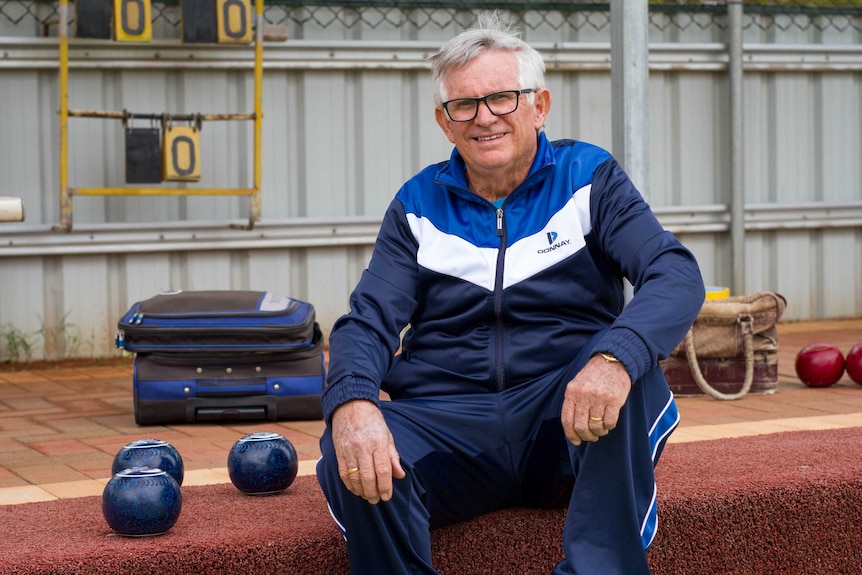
(454, 172)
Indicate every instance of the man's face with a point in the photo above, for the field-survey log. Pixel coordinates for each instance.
(493, 144)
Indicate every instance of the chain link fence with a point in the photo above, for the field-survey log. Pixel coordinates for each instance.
(39, 17)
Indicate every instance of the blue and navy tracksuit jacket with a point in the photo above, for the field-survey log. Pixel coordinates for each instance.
(495, 298)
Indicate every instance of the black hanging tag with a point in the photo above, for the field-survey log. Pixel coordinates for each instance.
(199, 23)
(143, 156)
(93, 18)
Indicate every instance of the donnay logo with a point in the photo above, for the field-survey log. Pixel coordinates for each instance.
(553, 244)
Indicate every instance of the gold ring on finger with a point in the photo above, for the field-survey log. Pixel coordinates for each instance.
(596, 419)
(352, 470)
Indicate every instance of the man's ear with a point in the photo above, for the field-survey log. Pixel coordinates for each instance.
(444, 123)
(542, 105)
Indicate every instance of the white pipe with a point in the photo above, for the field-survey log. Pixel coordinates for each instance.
(351, 55)
(630, 88)
(34, 241)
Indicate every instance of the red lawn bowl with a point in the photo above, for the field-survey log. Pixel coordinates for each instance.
(853, 363)
(819, 364)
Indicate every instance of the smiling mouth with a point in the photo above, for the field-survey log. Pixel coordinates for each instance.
(489, 138)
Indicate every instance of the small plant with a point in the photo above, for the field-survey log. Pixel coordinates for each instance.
(58, 342)
(19, 345)
(88, 345)
(51, 340)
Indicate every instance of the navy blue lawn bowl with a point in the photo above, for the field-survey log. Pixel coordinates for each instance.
(262, 463)
(141, 502)
(153, 453)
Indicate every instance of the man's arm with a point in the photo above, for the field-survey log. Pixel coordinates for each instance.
(362, 345)
(668, 287)
(363, 342)
(668, 294)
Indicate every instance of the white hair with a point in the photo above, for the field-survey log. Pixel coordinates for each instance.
(490, 33)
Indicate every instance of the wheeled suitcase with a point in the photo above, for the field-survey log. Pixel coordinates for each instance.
(180, 388)
(223, 355)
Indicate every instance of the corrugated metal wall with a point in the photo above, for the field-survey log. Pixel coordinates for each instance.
(347, 120)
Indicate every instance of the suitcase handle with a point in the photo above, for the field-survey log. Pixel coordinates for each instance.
(215, 388)
(229, 413)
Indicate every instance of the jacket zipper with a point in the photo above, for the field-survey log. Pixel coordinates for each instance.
(498, 298)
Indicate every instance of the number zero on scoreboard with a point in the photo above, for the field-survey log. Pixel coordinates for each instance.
(132, 21)
(234, 21)
(180, 153)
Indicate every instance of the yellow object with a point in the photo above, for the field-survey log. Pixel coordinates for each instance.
(68, 192)
(181, 154)
(717, 292)
(132, 21)
(63, 81)
(234, 21)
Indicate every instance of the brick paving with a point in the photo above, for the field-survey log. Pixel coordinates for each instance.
(60, 428)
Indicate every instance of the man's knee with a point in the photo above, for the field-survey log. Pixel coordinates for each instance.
(327, 465)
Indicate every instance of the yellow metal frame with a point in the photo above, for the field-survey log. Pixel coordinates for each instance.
(67, 193)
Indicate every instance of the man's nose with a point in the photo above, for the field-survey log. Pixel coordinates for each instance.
(484, 114)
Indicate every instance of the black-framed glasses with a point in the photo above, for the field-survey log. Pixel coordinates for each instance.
(498, 103)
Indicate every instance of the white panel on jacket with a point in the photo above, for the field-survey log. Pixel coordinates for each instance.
(562, 237)
(451, 255)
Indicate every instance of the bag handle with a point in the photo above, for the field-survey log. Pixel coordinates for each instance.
(746, 324)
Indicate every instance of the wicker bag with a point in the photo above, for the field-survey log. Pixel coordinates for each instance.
(733, 327)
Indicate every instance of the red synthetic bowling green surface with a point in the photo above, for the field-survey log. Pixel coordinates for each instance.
(786, 503)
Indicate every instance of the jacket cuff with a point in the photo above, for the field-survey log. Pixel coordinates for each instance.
(345, 390)
(629, 348)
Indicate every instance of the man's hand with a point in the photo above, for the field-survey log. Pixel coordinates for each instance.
(367, 458)
(593, 399)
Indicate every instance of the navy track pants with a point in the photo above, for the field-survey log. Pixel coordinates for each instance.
(470, 454)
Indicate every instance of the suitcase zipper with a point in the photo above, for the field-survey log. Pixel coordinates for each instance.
(138, 316)
(255, 333)
(238, 331)
(120, 340)
(134, 325)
